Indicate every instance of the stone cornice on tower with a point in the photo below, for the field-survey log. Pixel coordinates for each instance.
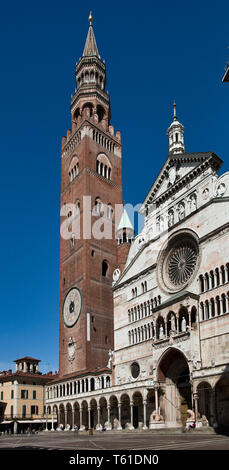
(87, 93)
(86, 128)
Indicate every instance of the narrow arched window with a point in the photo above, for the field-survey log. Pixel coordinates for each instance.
(217, 276)
(201, 283)
(104, 268)
(218, 305)
(224, 304)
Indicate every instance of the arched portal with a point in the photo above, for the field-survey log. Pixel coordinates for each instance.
(205, 400)
(61, 415)
(93, 413)
(84, 415)
(103, 411)
(55, 416)
(174, 377)
(76, 410)
(69, 414)
(114, 414)
(137, 409)
(125, 410)
(222, 402)
(150, 406)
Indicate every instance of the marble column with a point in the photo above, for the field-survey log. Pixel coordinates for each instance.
(196, 398)
(156, 398)
(119, 416)
(109, 417)
(131, 416)
(80, 418)
(227, 303)
(65, 418)
(98, 410)
(214, 407)
(73, 416)
(15, 427)
(46, 422)
(52, 428)
(89, 417)
(144, 414)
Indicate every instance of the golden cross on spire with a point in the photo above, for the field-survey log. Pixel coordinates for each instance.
(90, 18)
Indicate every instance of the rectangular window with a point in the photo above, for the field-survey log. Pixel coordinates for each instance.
(34, 394)
(1, 395)
(34, 410)
(24, 411)
(24, 394)
(12, 394)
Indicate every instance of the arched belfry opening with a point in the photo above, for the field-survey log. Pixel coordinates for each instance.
(174, 378)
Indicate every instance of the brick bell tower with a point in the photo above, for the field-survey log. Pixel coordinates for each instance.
(91, 181)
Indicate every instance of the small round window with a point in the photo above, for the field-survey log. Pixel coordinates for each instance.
(135, 370)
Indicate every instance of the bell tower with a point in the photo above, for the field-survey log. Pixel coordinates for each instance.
(91, 186)
(175, 134)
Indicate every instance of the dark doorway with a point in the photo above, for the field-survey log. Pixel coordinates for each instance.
(92, 419)
(135, 416)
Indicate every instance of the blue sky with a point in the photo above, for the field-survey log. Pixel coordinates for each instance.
(154, 53)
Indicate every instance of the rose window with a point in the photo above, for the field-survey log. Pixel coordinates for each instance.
(181, 263)
(178, 262)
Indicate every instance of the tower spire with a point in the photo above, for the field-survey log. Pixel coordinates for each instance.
(90, 48)
(175, 134)
(174, 111)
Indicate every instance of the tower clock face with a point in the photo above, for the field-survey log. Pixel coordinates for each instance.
(72, 307)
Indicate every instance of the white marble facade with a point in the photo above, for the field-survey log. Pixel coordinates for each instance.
(176, 331)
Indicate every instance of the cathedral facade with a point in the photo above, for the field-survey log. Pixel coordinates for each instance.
(144, 320)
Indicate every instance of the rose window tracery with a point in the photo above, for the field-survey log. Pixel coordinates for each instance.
(178, 262)
(181, 263)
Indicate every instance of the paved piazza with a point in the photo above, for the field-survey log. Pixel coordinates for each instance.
(116, 441)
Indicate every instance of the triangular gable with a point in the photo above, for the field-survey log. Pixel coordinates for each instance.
(175, 168)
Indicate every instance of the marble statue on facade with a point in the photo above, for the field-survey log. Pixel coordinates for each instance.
(183, 325)
(161, 332)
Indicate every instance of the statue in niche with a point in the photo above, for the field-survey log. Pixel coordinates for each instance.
(161, 332)
(192, 203)
(170, 218)
(220, 190)
(173, 323)
(181, 211)
(161, 224)
(183, 324)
